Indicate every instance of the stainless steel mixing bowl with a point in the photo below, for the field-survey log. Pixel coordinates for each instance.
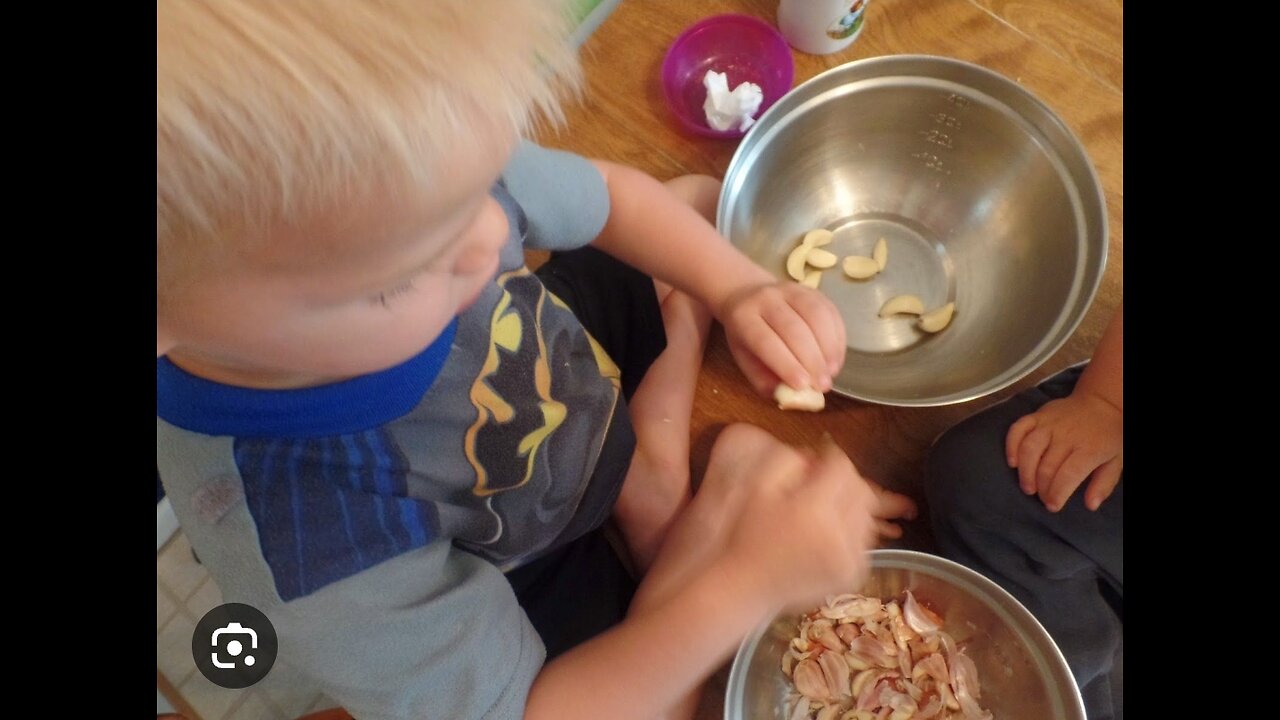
(1022, 673)
(982, 193)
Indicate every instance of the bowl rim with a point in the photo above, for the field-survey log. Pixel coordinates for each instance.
(668, 60)
(999, 599)
(765, 123)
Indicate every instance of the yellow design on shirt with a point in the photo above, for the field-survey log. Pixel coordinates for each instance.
(508, 338)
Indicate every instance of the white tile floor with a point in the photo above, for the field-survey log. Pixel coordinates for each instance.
(165, 608)
(173, 649)
(177, 567)
(184, 593)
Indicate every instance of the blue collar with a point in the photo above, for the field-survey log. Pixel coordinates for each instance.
(350, 406)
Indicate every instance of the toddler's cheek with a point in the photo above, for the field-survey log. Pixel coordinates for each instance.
(474, 260)
(484, 240)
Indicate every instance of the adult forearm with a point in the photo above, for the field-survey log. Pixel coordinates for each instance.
(1104, 377)
(642, 667)
(651, 229)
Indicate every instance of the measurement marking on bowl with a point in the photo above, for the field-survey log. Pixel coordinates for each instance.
(933, 162)
(937, 137)
(946, 120)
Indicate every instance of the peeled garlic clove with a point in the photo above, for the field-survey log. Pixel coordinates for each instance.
(881, 253)
(859, 267)
(795, 262)
(904, 304)
(789, 398)
(817, 238)
(935, 320)
(812, 278)
(820, 258)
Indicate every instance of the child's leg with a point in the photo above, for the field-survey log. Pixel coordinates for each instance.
(657, 483)
(656, 488)
(698, 535)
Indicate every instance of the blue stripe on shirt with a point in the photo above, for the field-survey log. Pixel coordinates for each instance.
(317, 522)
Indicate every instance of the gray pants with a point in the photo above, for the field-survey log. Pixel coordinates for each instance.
(1067, 568)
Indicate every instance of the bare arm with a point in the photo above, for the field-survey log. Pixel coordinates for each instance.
(643, 666)
(1104, 377)
(777, 330)
(651, 230)
(771, 527)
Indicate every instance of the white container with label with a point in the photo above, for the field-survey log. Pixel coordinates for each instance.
(821, 26)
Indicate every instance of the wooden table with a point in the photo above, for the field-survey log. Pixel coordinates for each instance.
(1067, 52)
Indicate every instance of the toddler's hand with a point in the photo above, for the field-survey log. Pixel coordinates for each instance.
(1058, 446)
(784, 332)
(804, 529)
(890, 506)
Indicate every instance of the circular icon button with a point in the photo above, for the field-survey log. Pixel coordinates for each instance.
(234, 645)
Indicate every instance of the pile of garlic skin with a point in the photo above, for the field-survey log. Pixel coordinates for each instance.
(857, 658)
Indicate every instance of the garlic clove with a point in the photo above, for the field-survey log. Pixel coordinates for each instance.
(935, 320)
(789, 398)
(820, 258)
(859, 267)
(881, 253)
(902, 304)
(817, 238)
(795, 262)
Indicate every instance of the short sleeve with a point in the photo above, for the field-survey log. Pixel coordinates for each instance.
(436, 632)
(563, 195)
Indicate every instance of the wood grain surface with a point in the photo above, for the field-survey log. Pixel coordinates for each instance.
(1069, 54)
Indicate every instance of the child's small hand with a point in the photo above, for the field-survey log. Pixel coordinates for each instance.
(890, 506)
(805, 528)
(1058, 446)
(784, 332)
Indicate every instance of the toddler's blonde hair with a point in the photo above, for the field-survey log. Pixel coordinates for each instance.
(268, 111)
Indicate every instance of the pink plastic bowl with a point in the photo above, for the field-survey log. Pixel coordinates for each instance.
(746, 49)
